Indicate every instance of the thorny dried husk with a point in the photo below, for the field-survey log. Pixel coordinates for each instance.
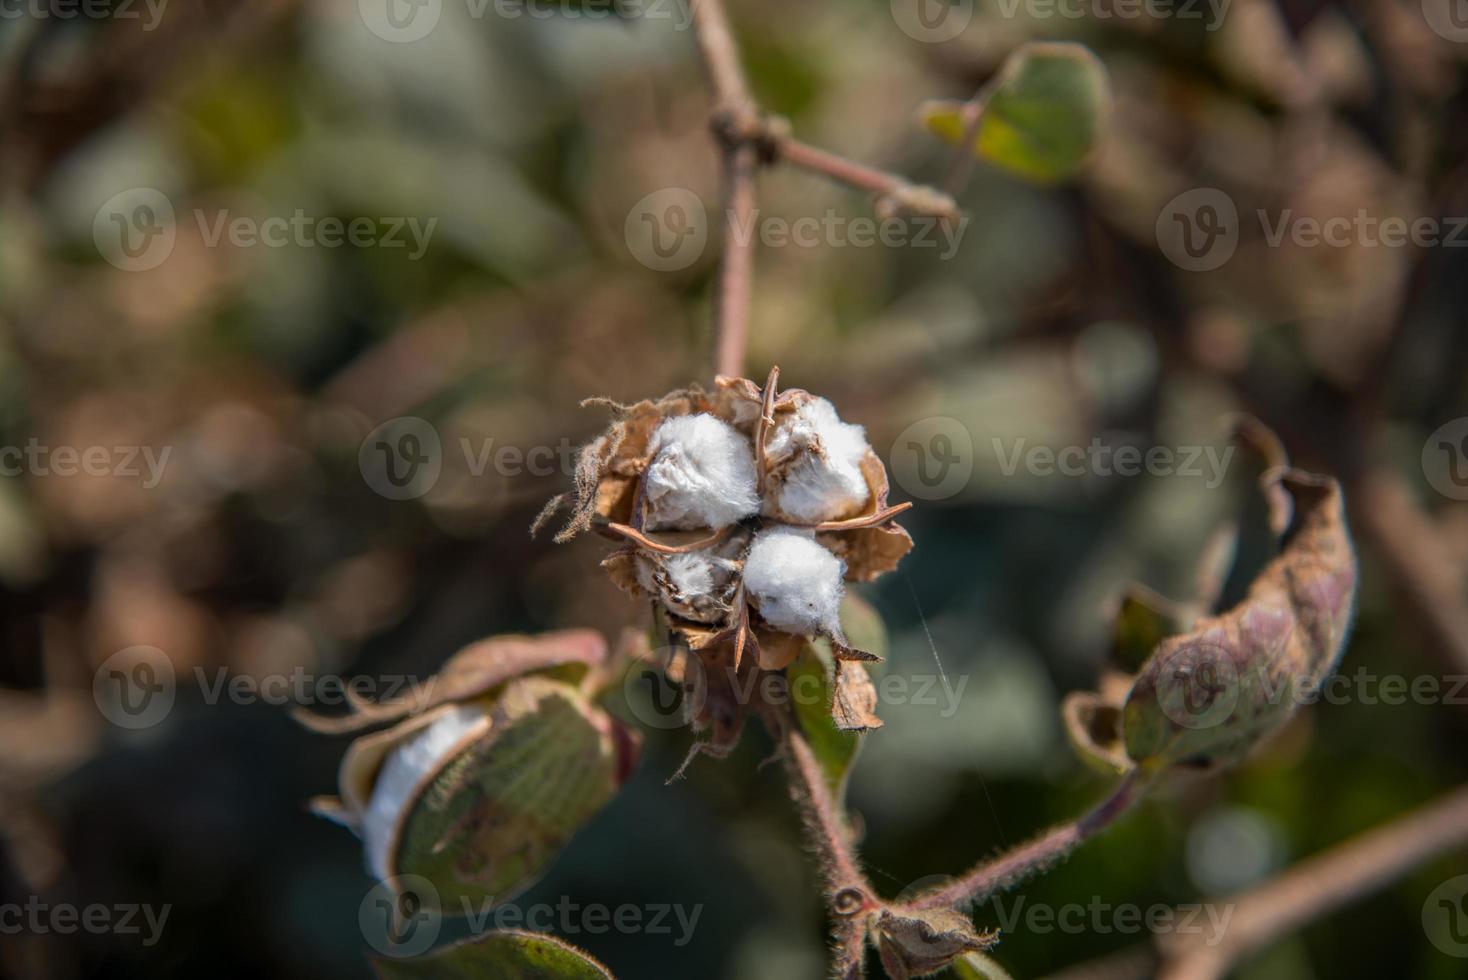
(695, 577)
(915, 943)
(1205, 698)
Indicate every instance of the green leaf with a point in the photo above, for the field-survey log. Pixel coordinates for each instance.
(494, 816)
(1042, 115)
(1143, 621)
(507, 954)
(977, 966)
(812, 680)
(863, 626)
(1094, 730)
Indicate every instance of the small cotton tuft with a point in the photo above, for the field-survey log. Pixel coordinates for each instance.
(400, 775)
(701, 476)
(825, 485)
(795, 582)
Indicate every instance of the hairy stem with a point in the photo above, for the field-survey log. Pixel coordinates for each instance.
(1027, 859)
(849, 896)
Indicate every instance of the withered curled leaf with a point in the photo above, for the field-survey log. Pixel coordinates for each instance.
(1206, 698)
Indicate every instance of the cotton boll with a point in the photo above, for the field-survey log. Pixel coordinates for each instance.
(701, 476)
(405, 767)
(815, 461)
(698, 585)
(795, 582)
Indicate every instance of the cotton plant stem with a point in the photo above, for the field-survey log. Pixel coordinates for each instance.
(746, 140)
(1037, 855)
(915, 198)
(849, 896)
(1320, 885)
(720, 57)
(736, 270)
(823, 818)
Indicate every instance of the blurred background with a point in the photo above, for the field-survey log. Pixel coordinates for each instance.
(236, 238)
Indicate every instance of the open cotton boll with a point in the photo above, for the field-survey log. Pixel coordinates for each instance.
(795, 582)
(701, 475)
(405, 767)
(816, 463)
(697, 585)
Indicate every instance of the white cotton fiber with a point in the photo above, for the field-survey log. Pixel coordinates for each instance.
(401, 772)
(795, 582)
(701, 475)
(824, 482)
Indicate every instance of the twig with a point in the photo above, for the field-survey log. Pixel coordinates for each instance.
(1320, 885)
(1026, 859)
(747, 138)
(736, 268)
(915, 198)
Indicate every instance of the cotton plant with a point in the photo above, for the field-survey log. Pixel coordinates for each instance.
(742, 514)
